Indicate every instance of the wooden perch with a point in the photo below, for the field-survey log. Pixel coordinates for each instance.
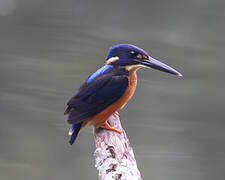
(114, 158)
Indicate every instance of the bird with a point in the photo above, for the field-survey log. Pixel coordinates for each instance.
(108, 89)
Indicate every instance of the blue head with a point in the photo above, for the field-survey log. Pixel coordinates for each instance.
(127, 55)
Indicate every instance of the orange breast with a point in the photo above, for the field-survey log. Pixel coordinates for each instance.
(104, 115)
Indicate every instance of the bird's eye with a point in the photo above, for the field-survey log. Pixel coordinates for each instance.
(137, 55)
(133, 53)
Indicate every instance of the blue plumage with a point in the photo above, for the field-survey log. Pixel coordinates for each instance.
(75, 128)
(126, 53)
(99, 72)
(96, 95)
(108, 84)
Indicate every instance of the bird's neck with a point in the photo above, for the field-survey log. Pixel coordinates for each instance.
(132, 71)
(134, 68)
(133, 78)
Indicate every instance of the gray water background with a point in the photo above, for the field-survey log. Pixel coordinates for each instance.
(176, 125)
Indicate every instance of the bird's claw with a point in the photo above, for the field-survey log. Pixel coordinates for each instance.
(107, 126)
(116, 114)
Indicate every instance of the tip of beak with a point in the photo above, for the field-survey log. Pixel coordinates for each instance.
(179, 74)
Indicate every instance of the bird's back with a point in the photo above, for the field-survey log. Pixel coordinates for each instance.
(96, 95)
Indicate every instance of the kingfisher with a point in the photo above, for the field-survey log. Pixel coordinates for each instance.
(108, 89)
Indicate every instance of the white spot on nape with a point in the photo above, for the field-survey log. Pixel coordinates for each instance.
(134, 67)
(112, 59)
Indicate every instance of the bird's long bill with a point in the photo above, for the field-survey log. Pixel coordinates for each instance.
(155, 64)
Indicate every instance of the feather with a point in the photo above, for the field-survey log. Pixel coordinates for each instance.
(73, 132)
(96, 95)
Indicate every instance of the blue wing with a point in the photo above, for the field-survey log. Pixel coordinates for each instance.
(97, 94)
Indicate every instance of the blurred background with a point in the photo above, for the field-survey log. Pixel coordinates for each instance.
(175, 125)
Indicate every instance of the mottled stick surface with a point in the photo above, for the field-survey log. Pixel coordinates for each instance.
(114, 157)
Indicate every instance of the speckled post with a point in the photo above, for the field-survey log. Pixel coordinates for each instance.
(114, 157)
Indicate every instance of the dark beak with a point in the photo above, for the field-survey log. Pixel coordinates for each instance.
(155, 64)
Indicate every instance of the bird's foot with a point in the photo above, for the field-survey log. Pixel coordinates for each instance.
(107, 126)
(116, 114)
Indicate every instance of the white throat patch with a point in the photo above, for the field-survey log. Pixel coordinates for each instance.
(134, 67)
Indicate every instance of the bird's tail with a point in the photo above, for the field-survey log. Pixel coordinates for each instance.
(73, 132)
